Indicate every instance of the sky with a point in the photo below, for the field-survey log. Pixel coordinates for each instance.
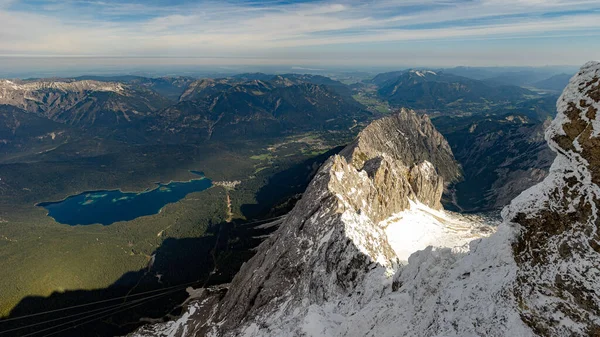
(305, 33)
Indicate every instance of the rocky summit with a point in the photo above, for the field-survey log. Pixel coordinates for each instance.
(332, 252)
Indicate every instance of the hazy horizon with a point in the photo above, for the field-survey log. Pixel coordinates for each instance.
(40, 67)
(308, 33)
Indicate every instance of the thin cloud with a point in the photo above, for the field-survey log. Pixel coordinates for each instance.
(79, 27)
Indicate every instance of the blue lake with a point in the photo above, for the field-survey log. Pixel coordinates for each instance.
(108, 207)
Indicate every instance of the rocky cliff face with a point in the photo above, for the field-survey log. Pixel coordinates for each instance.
(409, 139)
(558, 247)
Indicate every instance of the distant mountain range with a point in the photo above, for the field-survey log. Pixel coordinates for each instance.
(544, 78)
(425, 89)
(84, 103)
(170, 87)
(520, 76)
(269, 101)
(226, 108)
(291, 79)
(39, 115)
(182, 109)
(555, 83)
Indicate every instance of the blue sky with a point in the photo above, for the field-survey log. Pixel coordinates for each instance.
(310, 32)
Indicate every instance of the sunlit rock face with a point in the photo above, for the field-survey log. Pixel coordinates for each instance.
(332, 239)
(408, 138)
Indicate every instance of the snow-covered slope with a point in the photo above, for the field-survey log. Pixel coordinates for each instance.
(334, 267)
(420, 226)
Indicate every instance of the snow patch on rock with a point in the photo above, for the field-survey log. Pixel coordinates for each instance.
(421, 226)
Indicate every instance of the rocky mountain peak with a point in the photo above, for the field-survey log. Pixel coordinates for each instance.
(340, 215)
(336, 236)
(408, 138)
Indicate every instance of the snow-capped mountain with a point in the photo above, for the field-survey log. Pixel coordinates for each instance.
(66, 86)
(82, 103)
(425, 89)
(335, 265)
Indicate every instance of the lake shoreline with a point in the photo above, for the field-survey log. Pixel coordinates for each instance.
(148, 189)
(106, 207)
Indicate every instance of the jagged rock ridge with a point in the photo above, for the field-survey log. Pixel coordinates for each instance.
(337, 216)
(333, 243)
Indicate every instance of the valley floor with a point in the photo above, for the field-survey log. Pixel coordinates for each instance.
(51, 264)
